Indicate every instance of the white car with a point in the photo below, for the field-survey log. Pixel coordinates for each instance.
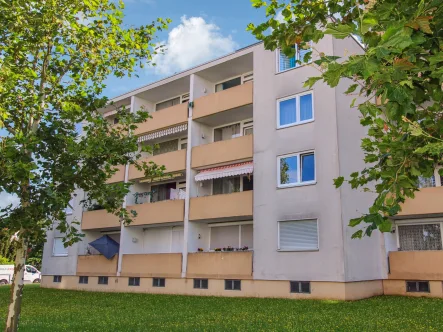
(32, 275)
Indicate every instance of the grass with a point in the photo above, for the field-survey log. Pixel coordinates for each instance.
(59, 310)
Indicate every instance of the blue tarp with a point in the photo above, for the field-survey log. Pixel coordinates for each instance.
(106, 246)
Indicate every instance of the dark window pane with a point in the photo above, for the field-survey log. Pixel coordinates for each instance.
(83, 280)
(196, 283)
(204, 283)
(228, 84)
(134, 281)
(305, 287)
(57, 279)
(411, 286)
(293, 285)
(248, 183)
(237, 285)
(102, 280)
(228, 284)
(423, 286)
(307, 167)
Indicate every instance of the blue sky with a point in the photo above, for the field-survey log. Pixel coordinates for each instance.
(201, 30)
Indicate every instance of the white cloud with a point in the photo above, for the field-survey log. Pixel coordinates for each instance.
(6, 199)
(192, 42)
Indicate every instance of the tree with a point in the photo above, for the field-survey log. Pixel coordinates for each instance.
(402, 68)
(54, 58)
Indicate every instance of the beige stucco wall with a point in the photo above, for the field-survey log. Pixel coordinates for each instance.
(158, 212)
(223, 152)
(416, 265)
(96, 265)
(235, 205)
(249, 288)
(320, 201)
(173, 161)
(220, 265)
(167, 117)
(119, 176)
(398, 287)
(426, 201)
(99, 219)
(152, 265)
(224, 100)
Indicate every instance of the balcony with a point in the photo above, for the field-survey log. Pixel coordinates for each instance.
(152, 265)
(165, 118)
(416, 265)
(119, 176)
(222, 152)
(227, 207)
(222, 101)
(220, 265)
(96, 265)
(173, 161)
(427, 201)
(99, 219)
(159, 212)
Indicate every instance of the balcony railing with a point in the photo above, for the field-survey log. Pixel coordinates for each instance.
(222, 101)
(235, 206)
(220, 265)
(119, 176)
(165, 118)
(416, 265)
(427, 201)
(152, 265)
(99, 219)
(158, 212)
(237, 149)
(173, 161)
(96, 265)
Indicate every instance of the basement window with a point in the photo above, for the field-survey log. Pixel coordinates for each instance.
(417, 287)
(102, 280)
(158, 282)
(83, 280)
(300, 287)
(57, 279)
(233, 285)
(134, 281)
(201, 283)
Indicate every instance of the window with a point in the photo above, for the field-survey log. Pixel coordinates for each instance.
(158, 282)
(134, 281)
(235, 236)
(296, 169)
(420, 237)
(58, 248)
(228, 84)
(295, 110)
(417, 286)
(102, 280)
(30, 269)
(201, 283)
(83, 280)
(162, 192)
(248, 183)
(285, 63)
(57, 279)
(227, 132)
(303, 287)
(232, 284)
(183, 143)
(116, 121)
(226, 185)
(165, 147)
(298, 235)
(249, 130)
(167, 103)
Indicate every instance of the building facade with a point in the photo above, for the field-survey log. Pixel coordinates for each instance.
(248, 206)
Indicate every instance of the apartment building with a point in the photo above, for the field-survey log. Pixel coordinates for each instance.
(248, 206)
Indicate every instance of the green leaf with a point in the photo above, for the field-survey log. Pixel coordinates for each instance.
(309, 83)
(385, 226)
(339, 181)
(351, 88)
(339, 31)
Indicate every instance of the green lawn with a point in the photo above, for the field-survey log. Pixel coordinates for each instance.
(55, 310)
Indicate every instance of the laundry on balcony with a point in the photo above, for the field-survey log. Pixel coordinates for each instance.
(106, 246)
(225, 171)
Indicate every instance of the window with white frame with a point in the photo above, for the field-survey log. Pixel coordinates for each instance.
(419, 237)
(234, 236)
(296, 169)
(295, 110)
(436, 180)
(58, 248)
(285, 63)
(298, 235)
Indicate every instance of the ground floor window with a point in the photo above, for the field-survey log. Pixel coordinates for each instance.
(158, 282)
(303, 287)
(57, 279)
(201, 283)
(83, 280)
(102, 280)
(134, 281)
(420, 237)
(232, 284)
(417, 286)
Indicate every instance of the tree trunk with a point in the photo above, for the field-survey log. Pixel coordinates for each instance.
(16, 288)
